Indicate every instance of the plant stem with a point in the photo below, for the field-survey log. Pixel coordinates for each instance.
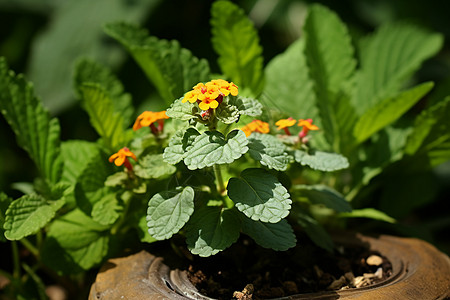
(30, 247)
(219, 178)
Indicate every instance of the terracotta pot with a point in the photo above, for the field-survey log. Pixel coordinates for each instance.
(419, 271)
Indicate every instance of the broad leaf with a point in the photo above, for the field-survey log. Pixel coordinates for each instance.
(153, 166)
(35, 131)
(212, 148)
(107, 210)
(212, 229)
(172, 69)
(181, 111)
(321, 194)
(178, 145)
(75, 242)
(76, 155)
(108, 123)
(388, 58)
(369, 213)
(315, 231)
(5, 201)
(277, 236)
(269, 151)
(87, 71)
(236, 41)
(28, 214)
(387, 111)
(322, 161)
(169, 211)
(142, 229)
(259, 195)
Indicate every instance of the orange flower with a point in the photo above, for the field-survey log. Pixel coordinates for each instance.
(121, 158)
(307, 126)
(210, 95)
(255, 126)
(147, 118)
(285, 123)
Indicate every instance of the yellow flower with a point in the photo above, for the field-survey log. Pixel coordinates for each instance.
(147, 118)
(210, 94)
(284, 123)
(307, 126)
(121, 158)
(255, 126)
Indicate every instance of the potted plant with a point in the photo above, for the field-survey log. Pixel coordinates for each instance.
(254, 156)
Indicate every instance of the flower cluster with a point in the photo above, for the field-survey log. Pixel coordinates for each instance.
(210, 95)
(148, 118)
(255, 126)
(306, 125)
(121, 158)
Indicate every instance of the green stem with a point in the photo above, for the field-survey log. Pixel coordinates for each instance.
(219, 178)
(16, 260)
(30, 247)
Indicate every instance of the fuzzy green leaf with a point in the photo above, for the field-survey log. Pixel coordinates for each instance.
(107, 210)
(211, 148)
(321, 194)
(322, 161)
(87, 71)
(387, 111)
(269, 151)
(227, 114)
(75, 242)
(28, 214)
(388, 58)
(369, 213)
(153, 166)
(236, 41)
(315, 231)
(35, 131)
(172, 69)
(277, 236)
(181, 111)
(232, 108)
(211, 230)
(142, 229)
(260, 196)
(169, 211)
(5, 201)
(76, 155)
(178, 145)
(108, 123)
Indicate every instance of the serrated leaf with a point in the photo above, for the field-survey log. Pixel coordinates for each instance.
(211, 230)
(277, 236)
(28, 214)
(268, 150)
(387, 111)
(108, 123)
(181, 111)
(76, 155)
(259, 195)
(75, 242)
(87, 71)
(329, 55)
(321, 194)
(315, 231)
(431, 133)
(369, 213)
(236, 41)
(211, 148)
(178, 144)
(153, 166)
(35, 130)
(5, 201)
(246, 106)
(322, 161)
(107, 210)
(388, 58)
(227, 114)
(169, 211)
(172, 69)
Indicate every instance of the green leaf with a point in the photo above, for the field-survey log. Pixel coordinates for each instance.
(431, 133)
(75, 242)
(211, 148)
(369, 213)
(268, 150)
(321, 194)
(288, 84)
(107, 210)
(277, 236)
(108, 123)
(87, 71)
(5, 201)
(388, 111)
(28, 214)
(246, 106)
(322, 161)
(178, 145)
(181, 111)
(153, 166)
(142, 229)
(329, 54)
(315, 231)
(211, 230)
(236, 41)
(172, 69)
(260, 196)
(76, 154)
(169, 211)
(35, 131)
(388, 59)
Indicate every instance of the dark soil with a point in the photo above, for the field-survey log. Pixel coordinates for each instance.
(247, 271)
